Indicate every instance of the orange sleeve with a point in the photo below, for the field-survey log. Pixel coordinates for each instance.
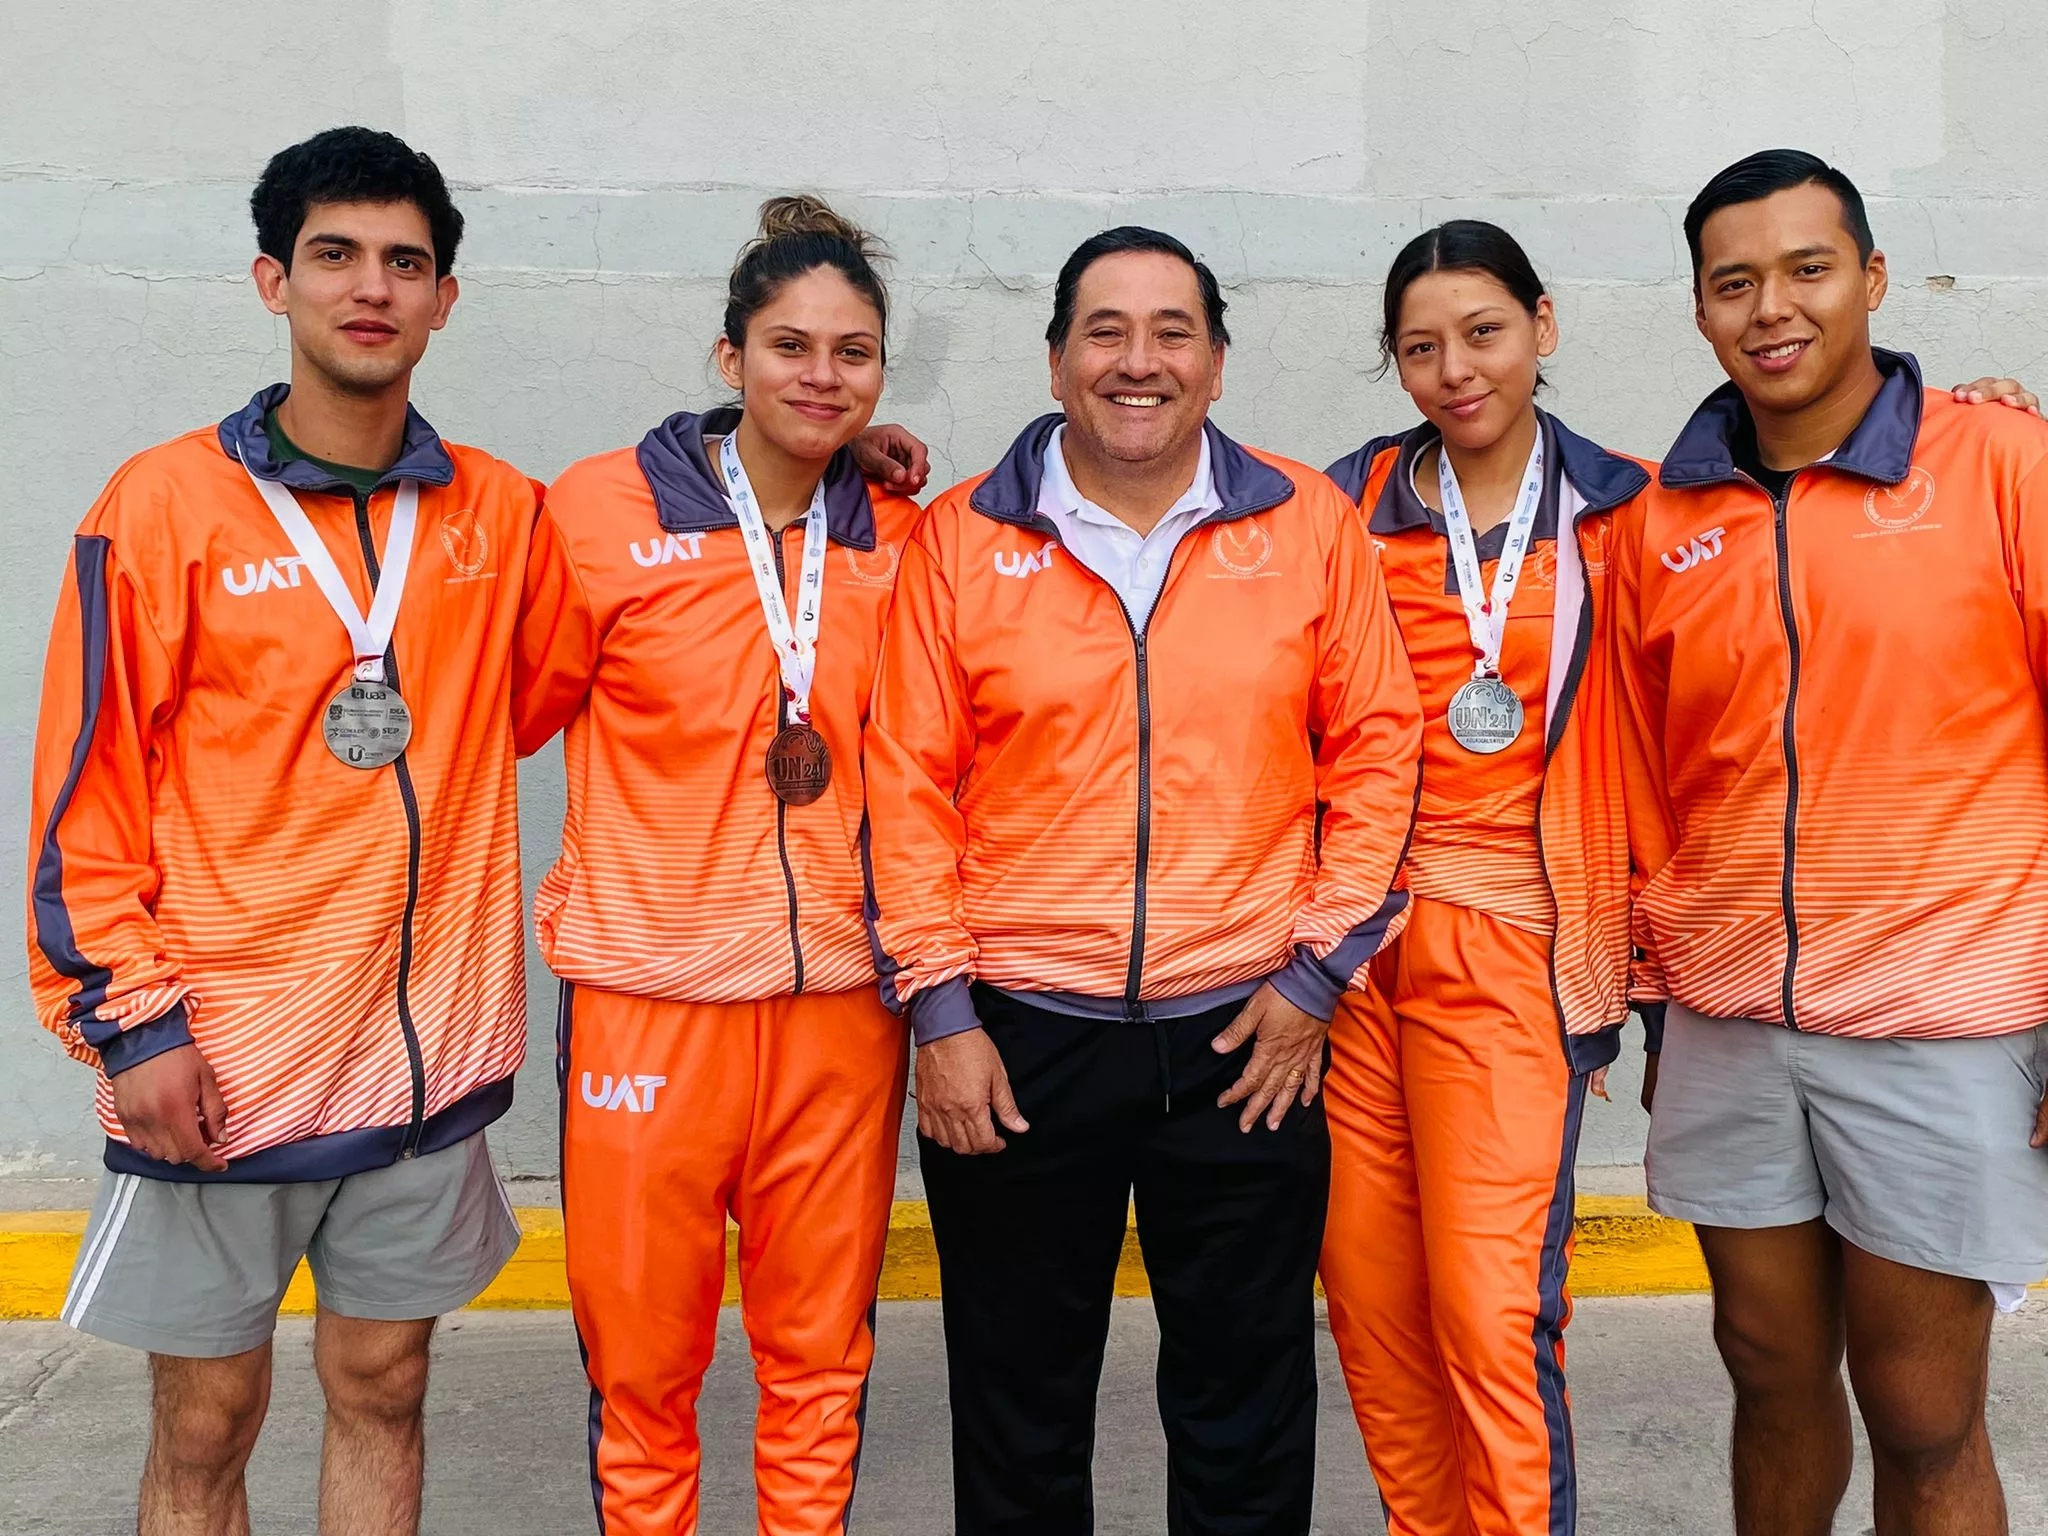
(555, 654)
(2025, 519)
(1652, 838)
(102, 980)
(918, 750)
(1366, 720)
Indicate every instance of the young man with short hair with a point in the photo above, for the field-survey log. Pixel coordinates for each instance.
(1140, 767)
(275, 870)
(1832, 617)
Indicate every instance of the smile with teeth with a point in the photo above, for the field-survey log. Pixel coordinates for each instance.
(1781, 351)
(1140, 400)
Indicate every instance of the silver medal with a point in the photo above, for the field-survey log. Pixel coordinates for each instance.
(367, 725)
(1485, 716)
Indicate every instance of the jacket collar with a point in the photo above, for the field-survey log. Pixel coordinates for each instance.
(1603, 480)
(1244, 483)
(422, 456)
(1881, 447)
(689, 494)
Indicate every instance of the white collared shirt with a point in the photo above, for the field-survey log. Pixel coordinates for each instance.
(1132, 563)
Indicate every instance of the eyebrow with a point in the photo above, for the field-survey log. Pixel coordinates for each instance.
(1157, 314)
(1465, 319)
(1804, 253)
(797, 330)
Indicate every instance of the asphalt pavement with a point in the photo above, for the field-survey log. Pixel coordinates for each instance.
(506, 1448)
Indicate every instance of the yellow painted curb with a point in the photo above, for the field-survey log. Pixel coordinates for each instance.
(1621, 1248)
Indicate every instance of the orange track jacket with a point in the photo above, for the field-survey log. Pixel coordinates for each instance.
(1835, 736)
(681, 875)
(344, 946)
(1535, 835)
(1117, 819)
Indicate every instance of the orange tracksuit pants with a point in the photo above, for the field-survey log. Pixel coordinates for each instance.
(783, 1114)
(1454, 1122)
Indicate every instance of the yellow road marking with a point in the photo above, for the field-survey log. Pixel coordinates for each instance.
(1621, 1248)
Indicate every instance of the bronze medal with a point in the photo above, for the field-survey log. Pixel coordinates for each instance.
(799, 764)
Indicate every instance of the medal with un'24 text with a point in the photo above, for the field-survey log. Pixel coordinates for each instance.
(799, 765)
(1486, 715)
(367, 724)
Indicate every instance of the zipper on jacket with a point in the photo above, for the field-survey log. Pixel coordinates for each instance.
(415, 1061)
(1782, 539)
(1134, 976)
(1784, 544)
(796, 948)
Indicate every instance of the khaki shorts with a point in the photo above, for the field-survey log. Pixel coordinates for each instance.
(1914, 1150)
(200, 1269)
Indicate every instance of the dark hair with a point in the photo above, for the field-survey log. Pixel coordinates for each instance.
(798, 235)
(1756, 177)
(350, 165)
(1460, 245)
(1114, 242)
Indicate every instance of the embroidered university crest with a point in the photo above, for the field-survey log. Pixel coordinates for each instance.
(462, 536)
(1243, 548)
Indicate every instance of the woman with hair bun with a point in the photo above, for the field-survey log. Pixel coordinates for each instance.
(723, 1052)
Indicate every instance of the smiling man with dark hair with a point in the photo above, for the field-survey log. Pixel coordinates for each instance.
(1141, 763)
(276, 871)
(1832, 617)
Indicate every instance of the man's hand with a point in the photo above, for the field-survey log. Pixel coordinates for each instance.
(2005, 391)
(172, 1109)
(1650, 1079)
(891, 455)
(960, 1083)
(2040, 1136)
(1596, 1084)
(1286, 1062)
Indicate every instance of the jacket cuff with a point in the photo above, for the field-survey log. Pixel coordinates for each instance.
(942, 1010)
(1304, 983)
(1652, 1015)
(132, 1046)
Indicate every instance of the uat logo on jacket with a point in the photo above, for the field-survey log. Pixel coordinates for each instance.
(1022, 562)
(677, 546)
(282, 571)
(1704, 547)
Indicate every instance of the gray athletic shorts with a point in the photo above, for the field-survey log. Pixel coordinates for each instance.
(1914, 1150)
(200, 1269)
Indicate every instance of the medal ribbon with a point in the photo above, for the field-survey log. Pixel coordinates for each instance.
(796, 645)
(369, 637)
(1486, 613)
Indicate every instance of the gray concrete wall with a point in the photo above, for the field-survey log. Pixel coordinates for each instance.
(610, 156)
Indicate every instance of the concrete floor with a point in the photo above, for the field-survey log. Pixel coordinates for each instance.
(506, 1454)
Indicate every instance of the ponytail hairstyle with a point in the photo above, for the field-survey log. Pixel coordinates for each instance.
(1460, 245)
(799, 234)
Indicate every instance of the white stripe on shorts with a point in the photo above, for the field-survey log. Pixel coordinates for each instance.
(94, 1264)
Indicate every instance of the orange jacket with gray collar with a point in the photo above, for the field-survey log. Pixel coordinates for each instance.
(1836, 741)
(343, 945)
(1125, 823)
(682, 876)
(1535, 835)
